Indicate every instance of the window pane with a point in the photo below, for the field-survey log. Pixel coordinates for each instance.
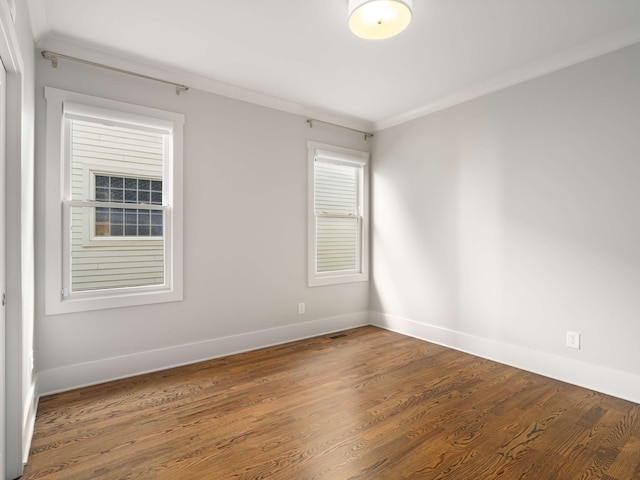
(102, 214)
(103, 229)
(102, 194)
(144, 217)
(144, 197)
(130, 217)
(156, 218)
(336, 188)
(336, 204)
(102, 181)
(337, 244)
(116, 216)
(116, 195)
(110, 247)
(114, 266)
(131, 196)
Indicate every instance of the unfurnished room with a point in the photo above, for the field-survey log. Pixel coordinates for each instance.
(320, 239)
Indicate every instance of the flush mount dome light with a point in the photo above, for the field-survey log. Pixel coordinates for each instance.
(379, 19)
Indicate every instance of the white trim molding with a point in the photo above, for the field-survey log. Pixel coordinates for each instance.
(19, 238)
(594, 377)
(602, 379)
(29, 419)
(79, 375)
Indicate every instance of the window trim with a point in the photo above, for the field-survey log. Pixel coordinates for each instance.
(342, 156)
(57, 222)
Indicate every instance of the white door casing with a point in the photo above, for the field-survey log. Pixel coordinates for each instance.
(3, 97)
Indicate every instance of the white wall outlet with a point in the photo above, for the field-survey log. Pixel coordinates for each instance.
(301, 309)
(573, 339)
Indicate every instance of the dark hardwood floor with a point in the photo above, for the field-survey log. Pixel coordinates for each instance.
(369, 405)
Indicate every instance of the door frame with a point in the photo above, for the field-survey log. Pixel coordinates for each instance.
(3, 257)
(14, 322)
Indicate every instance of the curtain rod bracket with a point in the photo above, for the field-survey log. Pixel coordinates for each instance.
(51, 57)
(366, 134)
(181, 88)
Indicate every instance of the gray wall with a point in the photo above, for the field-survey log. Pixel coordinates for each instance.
(516, 216)
(245, 196)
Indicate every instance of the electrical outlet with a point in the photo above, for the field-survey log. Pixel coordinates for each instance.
(573, 340)
(301, 309)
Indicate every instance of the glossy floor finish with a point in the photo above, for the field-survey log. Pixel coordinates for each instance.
(371, 404)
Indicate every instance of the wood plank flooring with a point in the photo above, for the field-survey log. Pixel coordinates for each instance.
(368, 405)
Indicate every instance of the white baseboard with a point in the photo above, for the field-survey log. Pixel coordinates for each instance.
(602, 379)
(79, 375)
(612, 382)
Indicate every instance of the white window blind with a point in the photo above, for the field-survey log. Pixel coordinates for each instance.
(338, 215)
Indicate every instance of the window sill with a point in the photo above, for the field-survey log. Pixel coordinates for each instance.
(110, 299)
(318, 281)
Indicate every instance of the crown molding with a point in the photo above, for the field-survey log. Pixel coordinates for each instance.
(550, 64)
(39, 18)
(566, 58)
(76, 48)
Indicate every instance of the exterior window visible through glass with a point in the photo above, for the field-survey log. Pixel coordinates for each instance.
(120, 245)
(128, 222)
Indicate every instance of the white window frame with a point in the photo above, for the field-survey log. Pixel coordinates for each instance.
(62, 104)
(344, 156)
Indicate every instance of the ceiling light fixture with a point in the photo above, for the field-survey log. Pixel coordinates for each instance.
(379, 19)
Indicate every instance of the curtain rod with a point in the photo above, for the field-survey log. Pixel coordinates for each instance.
(53, 57)
(366, 134)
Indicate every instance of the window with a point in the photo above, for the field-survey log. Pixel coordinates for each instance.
(338, 215)
(114, 204)
(127, 222)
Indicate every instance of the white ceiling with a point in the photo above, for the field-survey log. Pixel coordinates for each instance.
(302, 51)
